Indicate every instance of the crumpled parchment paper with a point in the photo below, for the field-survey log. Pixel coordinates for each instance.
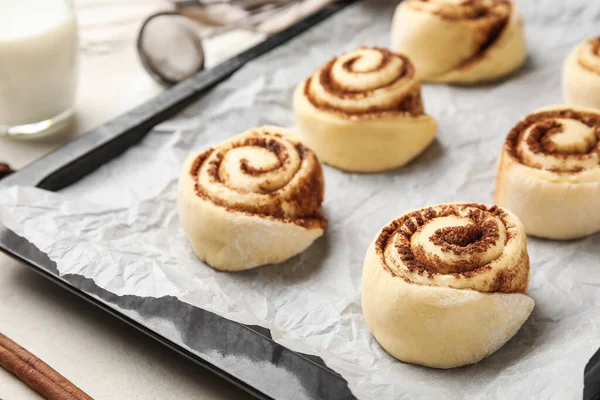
(119, 225)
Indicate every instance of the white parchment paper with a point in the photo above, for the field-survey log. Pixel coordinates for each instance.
(119, 226)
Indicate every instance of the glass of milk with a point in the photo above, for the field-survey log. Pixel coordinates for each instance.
(38, 66)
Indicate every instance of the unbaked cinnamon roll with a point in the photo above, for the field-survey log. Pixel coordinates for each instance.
(445, 286)
(252, 200)
(363, 111)
(461, 41)
(581, 75)
(549, 172)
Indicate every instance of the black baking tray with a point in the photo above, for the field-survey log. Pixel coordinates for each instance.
(239, 353)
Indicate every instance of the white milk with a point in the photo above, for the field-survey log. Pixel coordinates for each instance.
(38, 49)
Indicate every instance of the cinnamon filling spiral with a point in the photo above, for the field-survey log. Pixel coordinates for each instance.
(464, 9)
(462, 246)
(488, 17)
(588, 55)
(562, 141)
(367, 81)
(262, 173)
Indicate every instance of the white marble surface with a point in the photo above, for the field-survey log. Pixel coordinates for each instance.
(103, 356)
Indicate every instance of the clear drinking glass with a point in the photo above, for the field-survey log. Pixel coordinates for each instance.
(38, 66)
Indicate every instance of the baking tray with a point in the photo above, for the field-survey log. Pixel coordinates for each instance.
(202, 336)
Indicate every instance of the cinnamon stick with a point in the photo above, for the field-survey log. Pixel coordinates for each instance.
(37, 374)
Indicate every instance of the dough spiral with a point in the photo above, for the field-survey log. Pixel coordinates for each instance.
(455, 271)
(362, 111)
(549, 172)
(461, 41)
(366, 83)
(581, 75)
(252, 200)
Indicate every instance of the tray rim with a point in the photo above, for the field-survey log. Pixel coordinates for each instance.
(49, 172)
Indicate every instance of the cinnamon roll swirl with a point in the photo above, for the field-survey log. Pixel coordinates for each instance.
(252, 200)
(363, 111)
(460, 41)
(445, 286)
(549, 172)
(581, 75)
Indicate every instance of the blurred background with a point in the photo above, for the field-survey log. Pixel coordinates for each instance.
(113, 74)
